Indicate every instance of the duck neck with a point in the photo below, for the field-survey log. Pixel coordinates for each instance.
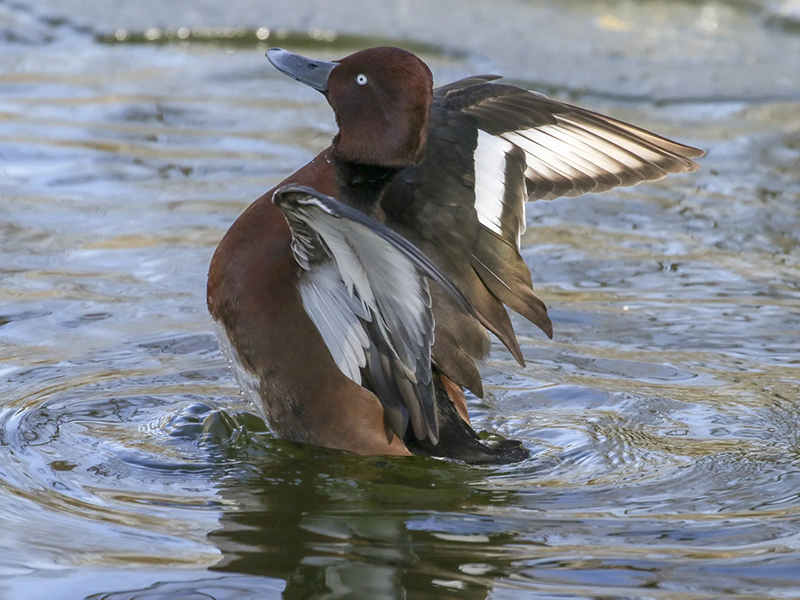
(362, 186)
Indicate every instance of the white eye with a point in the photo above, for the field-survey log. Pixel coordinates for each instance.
(361, 79)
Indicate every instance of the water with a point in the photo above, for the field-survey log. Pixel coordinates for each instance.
(663, 418)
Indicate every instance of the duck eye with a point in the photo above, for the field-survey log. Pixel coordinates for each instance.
(361, 79)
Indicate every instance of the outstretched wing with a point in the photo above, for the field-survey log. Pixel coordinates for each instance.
(563, 150)
(491, 148)
(366, 290)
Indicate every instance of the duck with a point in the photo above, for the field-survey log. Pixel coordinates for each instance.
(355, 300)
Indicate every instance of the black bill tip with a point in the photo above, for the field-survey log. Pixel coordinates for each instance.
(314, 73)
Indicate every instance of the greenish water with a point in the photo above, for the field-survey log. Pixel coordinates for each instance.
(663, 418)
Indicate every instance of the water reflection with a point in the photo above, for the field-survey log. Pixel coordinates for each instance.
(334, 526)
(342, 527)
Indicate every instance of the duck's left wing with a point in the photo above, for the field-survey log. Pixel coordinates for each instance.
(366, 289)
(492, 148)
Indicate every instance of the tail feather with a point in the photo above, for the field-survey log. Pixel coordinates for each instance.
(457, 440)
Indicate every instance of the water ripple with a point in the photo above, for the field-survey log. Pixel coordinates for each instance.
(662, 419)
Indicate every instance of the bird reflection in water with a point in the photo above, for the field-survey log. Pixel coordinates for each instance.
(338, 526)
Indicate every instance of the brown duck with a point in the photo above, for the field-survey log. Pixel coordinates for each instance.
(355, 298)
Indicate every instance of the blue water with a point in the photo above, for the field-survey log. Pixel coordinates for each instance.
(663, 417)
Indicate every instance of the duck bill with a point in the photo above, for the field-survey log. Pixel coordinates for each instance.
(314, 73)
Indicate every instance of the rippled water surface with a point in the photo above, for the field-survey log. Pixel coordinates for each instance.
(663, 418)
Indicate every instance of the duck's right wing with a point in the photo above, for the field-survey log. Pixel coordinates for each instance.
(366, 290)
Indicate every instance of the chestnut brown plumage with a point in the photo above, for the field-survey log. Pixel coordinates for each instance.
(322, 342)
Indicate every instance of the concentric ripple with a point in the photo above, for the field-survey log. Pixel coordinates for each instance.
(662, 419)
(92, 466)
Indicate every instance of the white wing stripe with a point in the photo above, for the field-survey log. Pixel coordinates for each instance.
(593, 158)
(554, 145)
(635, 159)
(490, 179)
(546, 155)
(336, 318)
(641, 150)
(355, 338)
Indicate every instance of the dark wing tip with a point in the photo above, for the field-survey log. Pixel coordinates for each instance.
(671, 146)
(692, 152)
(684, 155)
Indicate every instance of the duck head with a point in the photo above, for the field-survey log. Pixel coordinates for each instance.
(381, 98)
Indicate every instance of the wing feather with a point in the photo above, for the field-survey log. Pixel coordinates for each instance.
(569, 150)
(336, 314)
(367, 293)
(491, 148)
